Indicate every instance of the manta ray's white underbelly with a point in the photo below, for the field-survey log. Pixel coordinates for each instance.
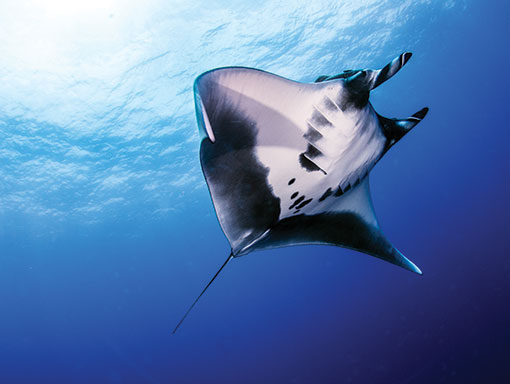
(348, 152)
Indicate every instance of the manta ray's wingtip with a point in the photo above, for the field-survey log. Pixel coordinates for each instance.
(404, 262)
(414, 268)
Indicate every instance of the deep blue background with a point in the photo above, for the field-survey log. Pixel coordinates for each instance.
(99, 305)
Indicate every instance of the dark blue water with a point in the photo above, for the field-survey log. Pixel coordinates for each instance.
(107, 232)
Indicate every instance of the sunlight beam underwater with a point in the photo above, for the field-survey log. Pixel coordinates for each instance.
(287, 163)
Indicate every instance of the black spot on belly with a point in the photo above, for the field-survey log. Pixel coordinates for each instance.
(326, 194)
(299, 200)
(306, 202)
(339, 191)
(291, 181)
(294, 195)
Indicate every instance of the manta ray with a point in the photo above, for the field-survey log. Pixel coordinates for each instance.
(288, 163)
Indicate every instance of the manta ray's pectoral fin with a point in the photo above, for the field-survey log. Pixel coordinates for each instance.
(357, 228)
(350, 223)
(395, 129)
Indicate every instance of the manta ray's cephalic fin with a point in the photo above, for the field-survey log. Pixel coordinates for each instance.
(380, 76)
(360, 82)
(368, 79)
(395, 129)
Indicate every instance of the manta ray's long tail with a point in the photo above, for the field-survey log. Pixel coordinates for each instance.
(205, 289)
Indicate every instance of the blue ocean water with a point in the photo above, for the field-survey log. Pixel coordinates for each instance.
(107, 231)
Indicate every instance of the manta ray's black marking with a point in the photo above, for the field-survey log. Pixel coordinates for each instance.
(330, 104)
(299, 206)
(312, 152)
(242, 176)
(326, 194)
(308, 164)
(339, 191)
(262, 132)
(312, 134)
(319, 120)
(297, 201)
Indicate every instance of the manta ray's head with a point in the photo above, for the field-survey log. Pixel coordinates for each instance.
(357, 85)
(359, 82)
